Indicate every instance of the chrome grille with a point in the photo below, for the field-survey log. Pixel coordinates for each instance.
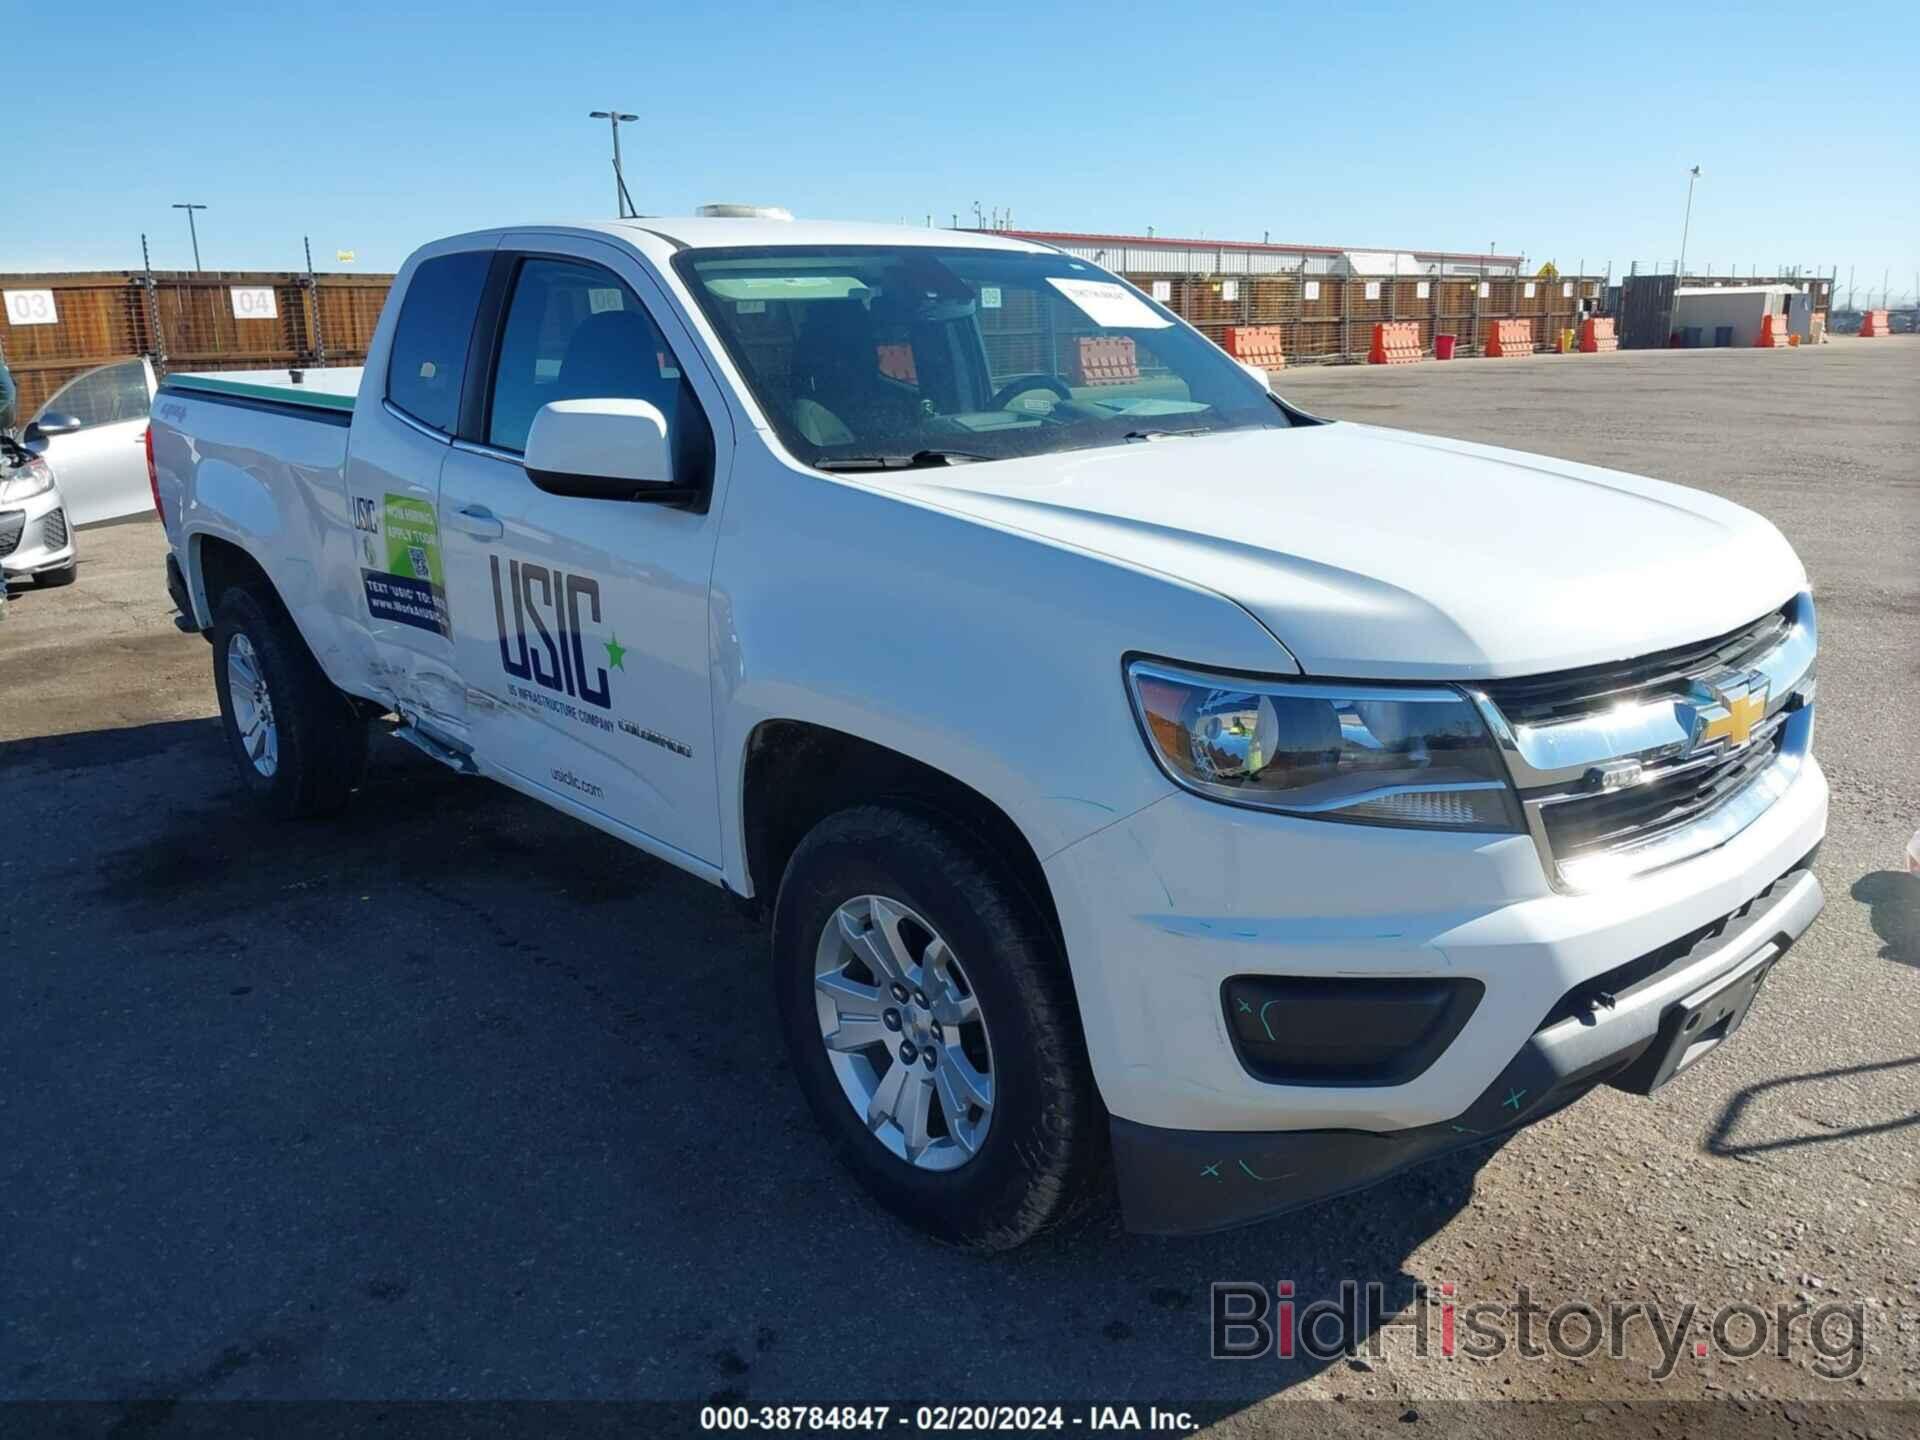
(1628, 766)
(1668, 798)
(1542, 699)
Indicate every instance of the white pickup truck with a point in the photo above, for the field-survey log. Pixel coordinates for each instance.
(1138, 772)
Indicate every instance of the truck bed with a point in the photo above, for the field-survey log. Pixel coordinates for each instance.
(257, 459)
(332, 388)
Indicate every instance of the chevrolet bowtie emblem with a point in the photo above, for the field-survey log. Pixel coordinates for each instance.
(1728, 709)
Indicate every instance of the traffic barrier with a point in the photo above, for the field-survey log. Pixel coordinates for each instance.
(896, 363)
(1257, 345)
(1596, 335)
(1510, 338)
(1105, 361)
(1873, 324)
(1395, 343)
(1773, 333)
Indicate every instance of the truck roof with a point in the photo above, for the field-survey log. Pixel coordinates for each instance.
(710, 232)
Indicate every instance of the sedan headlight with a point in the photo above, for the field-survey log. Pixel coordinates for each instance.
(1371, 754)
(31, 479)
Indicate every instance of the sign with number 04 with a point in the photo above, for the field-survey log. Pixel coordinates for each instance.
(31, 307)
(254, 302)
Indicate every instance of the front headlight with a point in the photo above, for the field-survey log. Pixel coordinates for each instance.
(33, 478)
(1371, 754)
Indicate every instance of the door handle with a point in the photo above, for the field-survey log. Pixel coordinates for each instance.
(479, 522)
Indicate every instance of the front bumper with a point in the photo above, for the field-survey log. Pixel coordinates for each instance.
(1191, 1181)
(35, 536)
(1162, 907)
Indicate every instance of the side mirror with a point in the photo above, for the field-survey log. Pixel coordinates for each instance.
(605, 450)
(1258, 372)
(49, 424)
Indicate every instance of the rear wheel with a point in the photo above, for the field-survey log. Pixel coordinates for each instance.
(299, 743)
(931, 1023)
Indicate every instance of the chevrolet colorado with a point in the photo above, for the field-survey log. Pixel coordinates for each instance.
(1139, 773)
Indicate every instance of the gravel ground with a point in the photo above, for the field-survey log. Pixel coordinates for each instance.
(453, 1098)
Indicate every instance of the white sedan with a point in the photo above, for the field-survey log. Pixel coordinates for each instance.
(36, 542)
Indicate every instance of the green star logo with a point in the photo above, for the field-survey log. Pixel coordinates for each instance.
(616, 653)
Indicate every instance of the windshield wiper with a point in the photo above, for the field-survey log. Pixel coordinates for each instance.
(918, 460)
(1162, 434)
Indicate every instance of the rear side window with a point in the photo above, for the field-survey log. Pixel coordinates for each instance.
(429, 357)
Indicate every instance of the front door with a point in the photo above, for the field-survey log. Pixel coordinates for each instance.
(580, 625)
(102, 466)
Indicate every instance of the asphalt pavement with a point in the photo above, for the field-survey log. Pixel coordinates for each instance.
(452, 1097)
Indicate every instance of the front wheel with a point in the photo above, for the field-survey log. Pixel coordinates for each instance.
(932, 1027)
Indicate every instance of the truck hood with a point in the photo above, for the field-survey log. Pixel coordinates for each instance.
(1380, 553)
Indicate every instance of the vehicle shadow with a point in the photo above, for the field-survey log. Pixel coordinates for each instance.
(1892, 898)
(451, 1094)
(1720, 1140)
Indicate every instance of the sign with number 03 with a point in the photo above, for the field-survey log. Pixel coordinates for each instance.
(254, 302)
(31, 307)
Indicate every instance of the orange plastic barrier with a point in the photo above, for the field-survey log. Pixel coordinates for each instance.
(1397, 343)
(896, 363)
(1257, 345)
(1773, 333)
(1105, 361)
(1509, 338)
(1596, 335)
(1873, 324)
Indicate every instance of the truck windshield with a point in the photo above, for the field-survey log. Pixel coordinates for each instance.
(871, 357)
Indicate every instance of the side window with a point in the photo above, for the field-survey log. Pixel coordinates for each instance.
(103, 397)
(574, 332)
(429, 356)
(130, 398)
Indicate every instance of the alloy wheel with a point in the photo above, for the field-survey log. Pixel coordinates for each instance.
(252, 706)
(904, 1032)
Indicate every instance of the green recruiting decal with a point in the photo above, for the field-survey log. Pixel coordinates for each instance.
(412, 590)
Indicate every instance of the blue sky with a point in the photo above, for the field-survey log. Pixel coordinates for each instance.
(1566, 135)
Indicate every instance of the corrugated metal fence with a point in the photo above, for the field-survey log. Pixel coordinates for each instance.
(183, 320)
(239, 320)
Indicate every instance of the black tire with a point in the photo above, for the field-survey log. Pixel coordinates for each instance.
(54, 579)
(1043, 1149)
(322, 736)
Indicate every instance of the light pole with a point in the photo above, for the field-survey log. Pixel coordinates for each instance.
(1680, 273)
(622, 205)
(192, 231)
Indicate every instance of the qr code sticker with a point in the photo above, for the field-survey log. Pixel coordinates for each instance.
(418, 557)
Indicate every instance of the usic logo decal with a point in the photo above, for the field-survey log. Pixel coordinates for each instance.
(556, 658)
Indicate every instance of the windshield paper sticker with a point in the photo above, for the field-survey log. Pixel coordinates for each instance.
(412, 589)
(1109, 305)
